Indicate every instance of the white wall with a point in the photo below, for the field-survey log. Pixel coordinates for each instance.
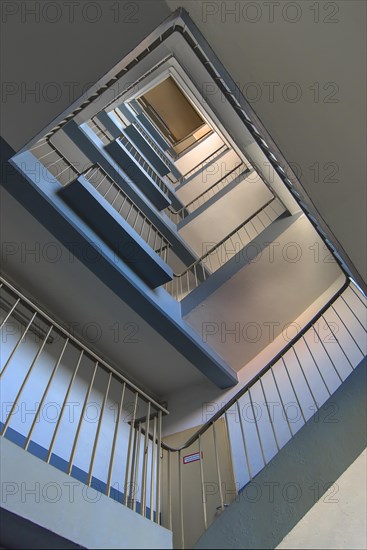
(209, 176)
(275, 286)
(30, 398)
(36, 491)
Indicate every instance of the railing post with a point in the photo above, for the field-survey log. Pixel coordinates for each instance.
(112, 458)
(145, 465)
(126, 484)
(76, 438)
(15, 402)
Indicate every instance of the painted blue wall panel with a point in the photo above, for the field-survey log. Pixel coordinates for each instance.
(135, 136)
(116, 231)
(137, 175)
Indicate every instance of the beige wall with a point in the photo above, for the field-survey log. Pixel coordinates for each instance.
(192, 495)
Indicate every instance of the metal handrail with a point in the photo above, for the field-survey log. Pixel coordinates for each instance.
(182, 213)
(198, 262)
(132, 150)
(165, 244)
(204, 162)
(129, 394)
(80, 344)
(153, 145)
(101, 130)
(259, 375)
(54, 150)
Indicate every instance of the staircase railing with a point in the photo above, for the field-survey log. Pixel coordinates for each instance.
(142, 163)
(127, 208)
(100, 130)
(217, 255)
(153, 145)
(242, 436)
(203, 163)
(178, 215)
(44, 357)
(184, 487)
(54, 161)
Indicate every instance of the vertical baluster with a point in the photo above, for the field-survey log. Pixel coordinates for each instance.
(137, 218)
(126, 484)
(351, 286)
(218, 468)
(76, 438)
(102, 180)
(131, 207)
(257, 427)
(159, 466)
(142, 227)
(145, 464)
(108, 190)
(281, 401)
(122, 205)
(20, 391)
(316, 365)
(132, 495)
(180, 497)
(196, 275)
(269, 415)
(18, 344)
(136, 473)
(169, 490)
(63, 406)
(98, 430)
(293, 389)
(149, 232)
(117, 195)
(40, 405)
(112, 458)
(230, 448)
(203, 486)
(244, 439)
(153, 469)
(353, 312)
(305, 377)
(10, 312)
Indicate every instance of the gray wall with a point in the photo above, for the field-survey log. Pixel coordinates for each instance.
(61, 53)
(321, 117)
(38, 492)
(264, 512)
